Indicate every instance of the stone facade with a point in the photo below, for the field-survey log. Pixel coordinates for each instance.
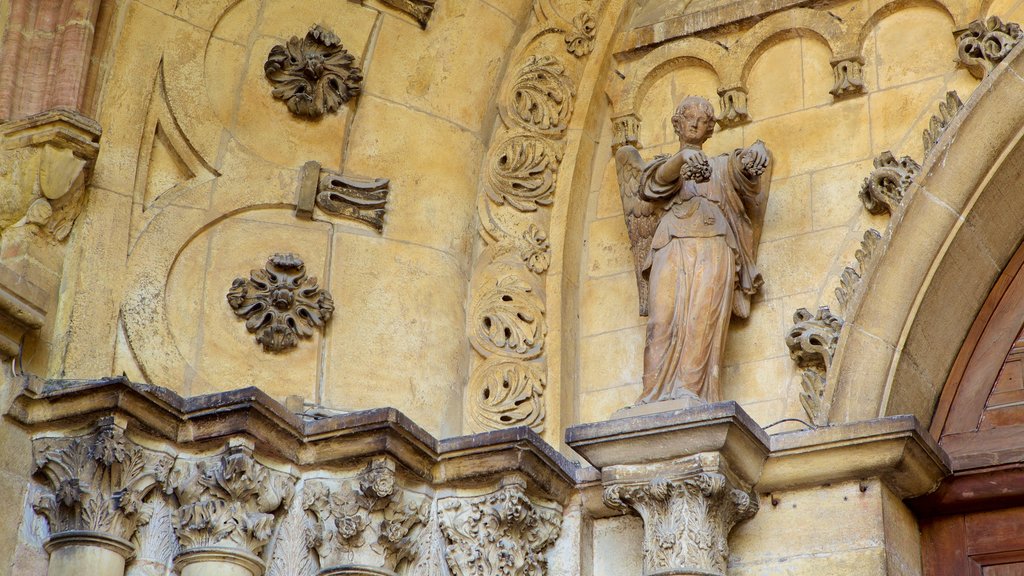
(290, 288)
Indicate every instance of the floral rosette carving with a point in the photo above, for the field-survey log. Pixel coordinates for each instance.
(368, 521)
(97, 483)
(504, 532)
(229, 501)
(541, 97)
(506, 393)
(280, 303)
(523, 173)
(580, 40)
(313, 75)
(535, 249)
(509, 319)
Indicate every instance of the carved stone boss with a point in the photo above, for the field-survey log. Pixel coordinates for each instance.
(314, 75)
(687, 515)
(280, 303)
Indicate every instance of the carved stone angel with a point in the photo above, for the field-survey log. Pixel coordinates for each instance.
(694, 223)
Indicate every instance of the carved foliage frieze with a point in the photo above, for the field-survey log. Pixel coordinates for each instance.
(229, 500)
(368, 521)
(504, 532)
(313, 75)
(686, 520)
(883, 190)
(849, 77)
(948, 109)
(96, 483)
(280, 303)
(541, 97)
(985, 43)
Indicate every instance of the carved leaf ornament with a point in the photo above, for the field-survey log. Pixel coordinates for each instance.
(280, 303)
(523, 173)
(507, 393)
(883, 190)
(985, 43)
(542, 97)
(580, 40)
(314, 75)
(509, 320)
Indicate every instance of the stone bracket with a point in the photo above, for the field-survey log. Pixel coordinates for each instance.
(358, 199)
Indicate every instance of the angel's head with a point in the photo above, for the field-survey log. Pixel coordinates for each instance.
(694, 120)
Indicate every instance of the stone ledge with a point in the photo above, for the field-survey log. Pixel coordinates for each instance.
(22, 309)
(205, 421)
(895, 449)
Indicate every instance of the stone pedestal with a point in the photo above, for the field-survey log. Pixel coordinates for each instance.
(217, 561)
(687, 473)
(77, 552)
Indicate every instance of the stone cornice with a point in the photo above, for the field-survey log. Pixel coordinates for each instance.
(209, 419)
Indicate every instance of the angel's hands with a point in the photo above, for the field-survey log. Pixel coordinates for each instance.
(695, 166)
(754, 160)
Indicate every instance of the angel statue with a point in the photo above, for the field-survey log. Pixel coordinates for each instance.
(694, 223)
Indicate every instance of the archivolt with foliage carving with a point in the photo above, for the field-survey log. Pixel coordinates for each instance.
(541, 97)
(506, 393)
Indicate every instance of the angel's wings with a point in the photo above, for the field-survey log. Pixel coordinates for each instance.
(641, 216)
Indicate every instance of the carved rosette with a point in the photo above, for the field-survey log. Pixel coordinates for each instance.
(686, 520)
(535, 250)
(280, 303)
(504, 532)
(948, 109)
(366, 522)
(506, 393)
(849, 77)
(985, 43)
(523, 172)
(733, 106)
(314, 75)
(97, 483)
(541, 98)
(580, 40)
(228, 502)
(883, 190)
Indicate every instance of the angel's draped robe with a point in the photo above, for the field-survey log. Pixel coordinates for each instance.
(701, 271)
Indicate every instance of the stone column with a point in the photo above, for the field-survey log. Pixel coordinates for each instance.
(687, 473)
(228, 509)
(96, 486)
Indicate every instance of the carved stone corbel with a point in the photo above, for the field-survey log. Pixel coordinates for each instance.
(359, 199)
(948, 109)
(627, 131)
(733, 106)
(984, 44)
(883, 189)
(688, 510)
(228, 509)
(96, 488)
(849, 77)
(812, 342)
(505, 532)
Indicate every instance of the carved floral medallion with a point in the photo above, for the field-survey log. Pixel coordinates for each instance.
(280, 303)
(314, 75)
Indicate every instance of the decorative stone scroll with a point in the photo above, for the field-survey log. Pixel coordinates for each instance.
(733, 106)
(948, 109)
(280, 303)
(367, 522)
(504, 532)
(97, 484)
(580, 40)
(883, 190)
(985, 43)
(420, 10)
(314, 75)
(812, 342)
(687, 520)
(229, 502)
(849, 77)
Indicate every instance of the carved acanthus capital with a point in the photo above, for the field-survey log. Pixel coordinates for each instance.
(228, 501)
(280, 303)
(314, 75)
(849, 77)
(733, 106)
(96, 483)
(948, 109)
(370, 521)
(985, 43)
(687, 519)
(505, 532)
(883, 190)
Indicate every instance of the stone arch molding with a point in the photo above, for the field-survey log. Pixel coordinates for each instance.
(959, 225)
